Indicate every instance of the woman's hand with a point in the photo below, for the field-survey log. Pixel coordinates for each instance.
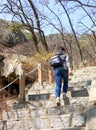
(70, 72)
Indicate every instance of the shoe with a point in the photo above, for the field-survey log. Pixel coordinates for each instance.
(64, 96)
(58, 101)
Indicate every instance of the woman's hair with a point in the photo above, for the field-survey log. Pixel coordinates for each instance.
(61, 48)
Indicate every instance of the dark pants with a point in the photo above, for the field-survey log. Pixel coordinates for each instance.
(59, 75)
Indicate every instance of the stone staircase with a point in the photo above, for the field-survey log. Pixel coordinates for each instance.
(39, 111)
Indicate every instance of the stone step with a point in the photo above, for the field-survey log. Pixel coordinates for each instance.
(79, 101)
(27, 125)
(34, 95)
(47, 104)
(25, 112)
(75, 128)
(51, 89)
(43, 94)
(72, 83)
(56, 122)
(47, 100)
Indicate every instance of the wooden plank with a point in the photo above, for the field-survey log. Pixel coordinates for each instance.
(22, 87)
(39, 74)
(50, 76)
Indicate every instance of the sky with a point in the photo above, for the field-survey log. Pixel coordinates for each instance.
(77, 16)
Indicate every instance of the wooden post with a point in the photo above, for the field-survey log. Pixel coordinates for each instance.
(10, 87)
(73, 65)
(22, 87)
(39, 74)
(50, 76)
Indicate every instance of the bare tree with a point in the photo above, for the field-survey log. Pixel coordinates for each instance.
(27, 14)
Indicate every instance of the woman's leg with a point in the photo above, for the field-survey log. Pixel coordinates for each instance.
(65, 83)
(58, 79)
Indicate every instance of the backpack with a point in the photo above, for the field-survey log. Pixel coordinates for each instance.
(56, 61)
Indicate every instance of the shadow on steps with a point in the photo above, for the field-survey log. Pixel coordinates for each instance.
(37, 97)
(80, 93)
(66, 101)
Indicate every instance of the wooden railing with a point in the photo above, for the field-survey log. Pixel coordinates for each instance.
(23, 77)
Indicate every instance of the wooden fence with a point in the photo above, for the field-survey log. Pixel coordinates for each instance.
(22, 78)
